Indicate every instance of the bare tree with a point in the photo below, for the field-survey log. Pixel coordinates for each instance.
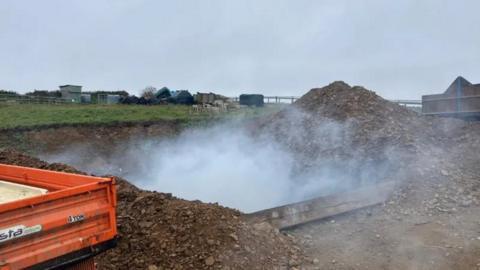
(149, 92)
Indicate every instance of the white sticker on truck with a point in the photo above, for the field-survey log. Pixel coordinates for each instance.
(17, 232)
(76, 218)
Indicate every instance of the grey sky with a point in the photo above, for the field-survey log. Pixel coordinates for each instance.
(400, 49)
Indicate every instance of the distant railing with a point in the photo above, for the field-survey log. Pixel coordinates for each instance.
(19, 99)
(273, 99)
(280, 99)
(292, 99)
(407, 102)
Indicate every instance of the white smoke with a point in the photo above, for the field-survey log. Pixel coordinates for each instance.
(227, 164)
(216, 165)
(223, 164)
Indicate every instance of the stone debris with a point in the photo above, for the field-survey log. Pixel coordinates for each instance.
(159, 231)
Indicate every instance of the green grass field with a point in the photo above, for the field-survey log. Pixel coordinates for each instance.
(33, 115)
(28, 115)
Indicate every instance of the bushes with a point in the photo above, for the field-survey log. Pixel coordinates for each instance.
(8, 93)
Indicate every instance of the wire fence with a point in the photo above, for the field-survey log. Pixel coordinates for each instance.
(18, 99)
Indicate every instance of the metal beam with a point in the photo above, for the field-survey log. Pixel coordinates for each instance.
(291, 215)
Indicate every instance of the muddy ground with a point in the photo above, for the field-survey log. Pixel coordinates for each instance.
(428, 225)
(102, 138)
(159, 231)
(432, 221)
(401, 234)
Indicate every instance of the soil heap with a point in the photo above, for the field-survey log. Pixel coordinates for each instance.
(431, 219)
(355, 131)
(364, 120)
(13, 157)
(159, 231)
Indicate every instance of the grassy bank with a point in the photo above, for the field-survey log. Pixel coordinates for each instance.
(24, 115)
(31, 115)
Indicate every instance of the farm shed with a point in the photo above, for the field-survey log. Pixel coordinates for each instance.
(71, 92)
(461, 99)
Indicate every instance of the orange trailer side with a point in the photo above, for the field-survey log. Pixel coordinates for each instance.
(72, 222)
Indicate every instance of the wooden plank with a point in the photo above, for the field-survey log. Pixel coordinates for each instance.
(291, 215)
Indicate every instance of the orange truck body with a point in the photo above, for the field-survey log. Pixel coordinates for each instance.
(74, 221)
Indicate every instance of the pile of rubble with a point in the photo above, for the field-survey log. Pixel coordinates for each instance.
(163, 232)
(429, 222)
(354, 127)
(159, 231)
(362, 119)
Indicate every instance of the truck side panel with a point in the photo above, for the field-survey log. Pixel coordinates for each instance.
(45, 227)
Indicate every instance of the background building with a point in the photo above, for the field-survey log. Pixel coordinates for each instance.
(71, 92)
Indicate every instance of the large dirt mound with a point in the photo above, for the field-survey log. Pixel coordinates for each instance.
(430, 221)
(340, 101)
(352, 133)
(364, 119)
(159, 231)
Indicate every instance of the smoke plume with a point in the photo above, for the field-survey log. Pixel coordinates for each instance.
(231, 165)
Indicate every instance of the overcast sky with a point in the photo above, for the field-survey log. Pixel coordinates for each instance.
(400, 49)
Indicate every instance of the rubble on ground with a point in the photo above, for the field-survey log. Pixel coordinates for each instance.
(363, 122)
(429, 222)
(14, 157)
(159, 231)
(356, 128)
(395, 143)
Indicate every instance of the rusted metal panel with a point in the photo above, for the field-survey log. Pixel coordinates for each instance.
(450, 105)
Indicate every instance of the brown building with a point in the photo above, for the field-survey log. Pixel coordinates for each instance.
(461, 99)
